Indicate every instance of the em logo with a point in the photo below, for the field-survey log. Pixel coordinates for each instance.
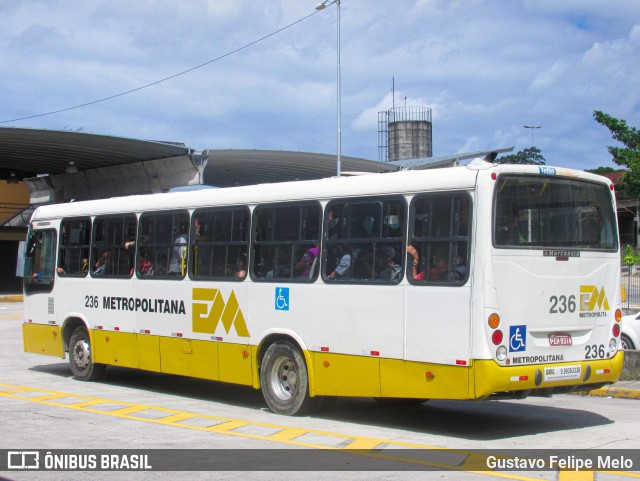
(209, 308)
(590, 296)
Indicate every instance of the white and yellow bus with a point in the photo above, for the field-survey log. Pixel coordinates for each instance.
(460, 283)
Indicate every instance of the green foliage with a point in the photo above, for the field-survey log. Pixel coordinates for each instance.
(530, 156)
(601, 170)
(631, 257)
(629, 155)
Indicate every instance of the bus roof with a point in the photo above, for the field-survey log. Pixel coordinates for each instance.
(408, 181)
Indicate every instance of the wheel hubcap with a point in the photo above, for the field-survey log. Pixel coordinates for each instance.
(284, 378)
(81, 354)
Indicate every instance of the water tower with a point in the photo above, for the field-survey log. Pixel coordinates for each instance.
(404, 133)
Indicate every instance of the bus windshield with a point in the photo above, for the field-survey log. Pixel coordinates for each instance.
(540, 211)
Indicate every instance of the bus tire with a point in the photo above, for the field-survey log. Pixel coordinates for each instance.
(284, 379)
(82, 366)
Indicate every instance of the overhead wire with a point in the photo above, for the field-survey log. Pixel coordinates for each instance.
(250, 44)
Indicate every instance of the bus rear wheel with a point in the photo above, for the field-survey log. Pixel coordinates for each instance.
(80, 359)
(284, 379)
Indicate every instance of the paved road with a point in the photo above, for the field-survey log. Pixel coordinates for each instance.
(42, 407)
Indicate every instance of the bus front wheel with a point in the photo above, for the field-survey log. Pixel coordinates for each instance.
(284, 379)
(80, 359)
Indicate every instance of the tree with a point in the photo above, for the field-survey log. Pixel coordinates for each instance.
(601, 170)
(629, 155)
(526, 156)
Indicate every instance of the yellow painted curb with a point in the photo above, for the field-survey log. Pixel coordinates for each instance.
(12, 298)
(616, 392)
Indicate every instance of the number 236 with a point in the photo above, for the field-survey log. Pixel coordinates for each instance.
(562, 304)
(91, 301)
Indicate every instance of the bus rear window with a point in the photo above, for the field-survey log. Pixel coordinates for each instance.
(539, 212)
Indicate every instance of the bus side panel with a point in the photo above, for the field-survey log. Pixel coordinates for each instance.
(343, 375)
(42, 339)
(403, 379)
(116, 348)
(438, 324)
(188, 357)
(148, 348)
(235, 363)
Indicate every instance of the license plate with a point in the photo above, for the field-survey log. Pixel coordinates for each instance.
(560, 340)
(562, 373)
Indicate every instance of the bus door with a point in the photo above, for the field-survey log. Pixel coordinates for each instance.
(41, 329)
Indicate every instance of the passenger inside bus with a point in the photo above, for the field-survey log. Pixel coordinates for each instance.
(241, 267)
(100, 267)
(178, 258)
(306, 265)
(437, 271)
(343, 268)
(145, 266)
(392, 270)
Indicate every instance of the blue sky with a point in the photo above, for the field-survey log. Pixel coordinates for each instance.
(484, 67)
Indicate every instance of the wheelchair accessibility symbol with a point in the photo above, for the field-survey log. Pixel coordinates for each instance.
(282, 298)
(517, 338)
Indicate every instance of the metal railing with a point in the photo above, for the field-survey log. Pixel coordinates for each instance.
(631, 286)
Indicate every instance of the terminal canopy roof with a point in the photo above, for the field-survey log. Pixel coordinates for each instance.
(31, 152)
(27, 153)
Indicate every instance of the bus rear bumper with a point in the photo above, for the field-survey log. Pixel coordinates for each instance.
(493, 380)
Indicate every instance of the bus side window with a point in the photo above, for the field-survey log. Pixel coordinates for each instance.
(73, 256)
(39, 266)
(219, 243)
(364, 240)
(286, 239)
(162, 245)
(439, 234)
(109, 256)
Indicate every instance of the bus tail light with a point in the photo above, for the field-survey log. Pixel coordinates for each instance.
(497, 337)
(616, 330)
(501, 353)
(494, 320)
(613, 345)
(616, 326)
